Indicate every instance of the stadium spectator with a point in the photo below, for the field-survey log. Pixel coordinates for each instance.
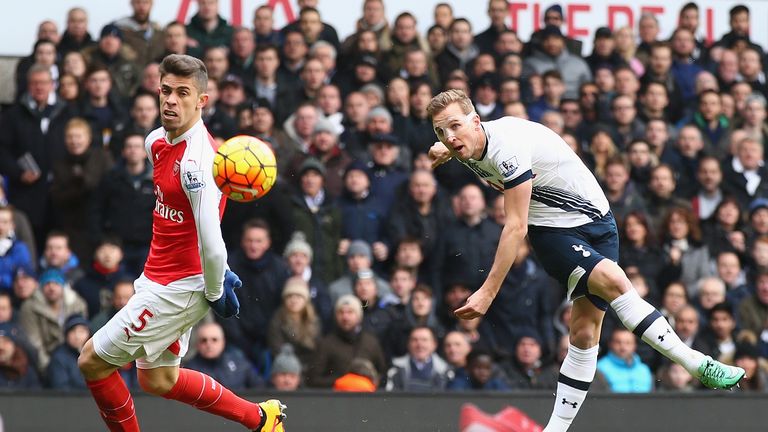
(710, 291)
(443, 15)
(522, 306)
(659, 70)
(119, 59)
(456, 347)
(686, 258)
(43, 54)
(459, 51)
(58, 255)
(95, 287)
(17, 371)
(69, 89)
(359, 257)
(376, 316)
(242, 53)
(144, 36)
(24, 287)
(622, 367)
(730, 271)
(102, 107)
(753, 310)
(298, 254)
(264, 27)
(216, 61)
(604, 51)
(347, 341)
(481, 373)
(40, 315)
(285, 374)
(218, 122)
(361, 377)
(409, 255)
(684, 67)
(622, 193)
(144, 117)
(420, 312)
(176, 41)
(293, 147)
(554, 55)
(122, 204)
(231, 98)
(654, 101)
(721, 332)
(75, 36)
(421, 369)
(683, 158)
(497, 12)
(751, 70)
(263, 273)
(14, 253)
(75, 180)
(363, 214)
(626, 47)
(317, 217)
(122, 290)
(227, 365)
(526, 368)
(207, 28)
(724, 231)
(295, 322)
(388, 167)
(554, 17)
(437, 37)
(673, 298)
(46, 31)
(311, 25)
(746, 176)
(660, 198)
(747, 356)
(373, 19)
(625, 126)
(325, 146)
(709, 177)
(467, 245)
(688, 327)
(294, 54)
(674, 378)
(63, 373)
(32, 139)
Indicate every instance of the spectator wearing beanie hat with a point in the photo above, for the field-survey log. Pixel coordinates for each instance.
(359, 257)
(347, 341)
(298, 254)
(324, 146)
(315, 215)
(286, 370)
(295, 322)
(63, 373)
(119, 58)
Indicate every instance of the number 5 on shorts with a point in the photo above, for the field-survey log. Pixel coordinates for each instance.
(143, 320)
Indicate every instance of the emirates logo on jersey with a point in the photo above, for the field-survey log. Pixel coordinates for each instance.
(164, 211)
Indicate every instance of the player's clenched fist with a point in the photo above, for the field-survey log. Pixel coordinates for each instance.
(477, 305)
(439, 154)
(228, 305)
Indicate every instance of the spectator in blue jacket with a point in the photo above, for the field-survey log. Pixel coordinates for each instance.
(363, 213)
(622, 367)
(227, 365)
(481, 373)
(14, 254)
(63, 373)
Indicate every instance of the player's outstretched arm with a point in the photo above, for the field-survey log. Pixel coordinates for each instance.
(516, 202)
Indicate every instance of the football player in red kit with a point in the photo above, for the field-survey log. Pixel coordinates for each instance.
(185, 274)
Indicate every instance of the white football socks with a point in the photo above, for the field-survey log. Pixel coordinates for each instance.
(645, 321)
(576, 374)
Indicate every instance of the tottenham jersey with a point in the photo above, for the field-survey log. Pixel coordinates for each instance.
(565, 193)
(186, 230)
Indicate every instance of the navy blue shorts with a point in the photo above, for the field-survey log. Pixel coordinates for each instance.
(570, 254)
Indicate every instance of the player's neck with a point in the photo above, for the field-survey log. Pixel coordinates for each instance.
(173, 134)
(482, 141)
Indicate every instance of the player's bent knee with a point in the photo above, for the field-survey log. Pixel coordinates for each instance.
(156, 381)
(583, 336)
(608, 280)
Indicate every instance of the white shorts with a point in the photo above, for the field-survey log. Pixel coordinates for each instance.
(155, 325)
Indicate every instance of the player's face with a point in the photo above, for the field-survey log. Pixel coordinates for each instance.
(180, 103)
(458, 131)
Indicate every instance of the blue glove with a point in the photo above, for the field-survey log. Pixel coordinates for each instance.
(228, 305)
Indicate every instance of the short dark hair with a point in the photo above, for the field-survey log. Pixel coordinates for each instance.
(460, 20)
(97, 67)
(722, 307)
(186, 66)
(552, 74)
(689, 6)
(477, 353)
(260, 48)
(737, 10)
(256, 223)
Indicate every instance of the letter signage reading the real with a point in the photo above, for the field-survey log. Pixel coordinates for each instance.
(582, 17)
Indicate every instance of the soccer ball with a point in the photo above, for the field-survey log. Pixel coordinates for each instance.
(244, 168)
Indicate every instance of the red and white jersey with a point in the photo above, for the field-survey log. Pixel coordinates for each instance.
(186, 222)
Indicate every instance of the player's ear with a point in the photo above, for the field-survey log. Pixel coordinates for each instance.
(202, 100)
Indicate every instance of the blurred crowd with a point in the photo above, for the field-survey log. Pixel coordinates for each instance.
(353, 264)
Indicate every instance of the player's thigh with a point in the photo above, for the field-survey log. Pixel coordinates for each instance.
(566, 255)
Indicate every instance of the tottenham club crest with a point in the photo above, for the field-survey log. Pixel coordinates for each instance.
(509, 166)
(193, 180)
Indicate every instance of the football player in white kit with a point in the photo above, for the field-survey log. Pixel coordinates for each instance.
(185, 274)
(551, 196)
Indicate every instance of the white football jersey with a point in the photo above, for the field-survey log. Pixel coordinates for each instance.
(565, 192)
